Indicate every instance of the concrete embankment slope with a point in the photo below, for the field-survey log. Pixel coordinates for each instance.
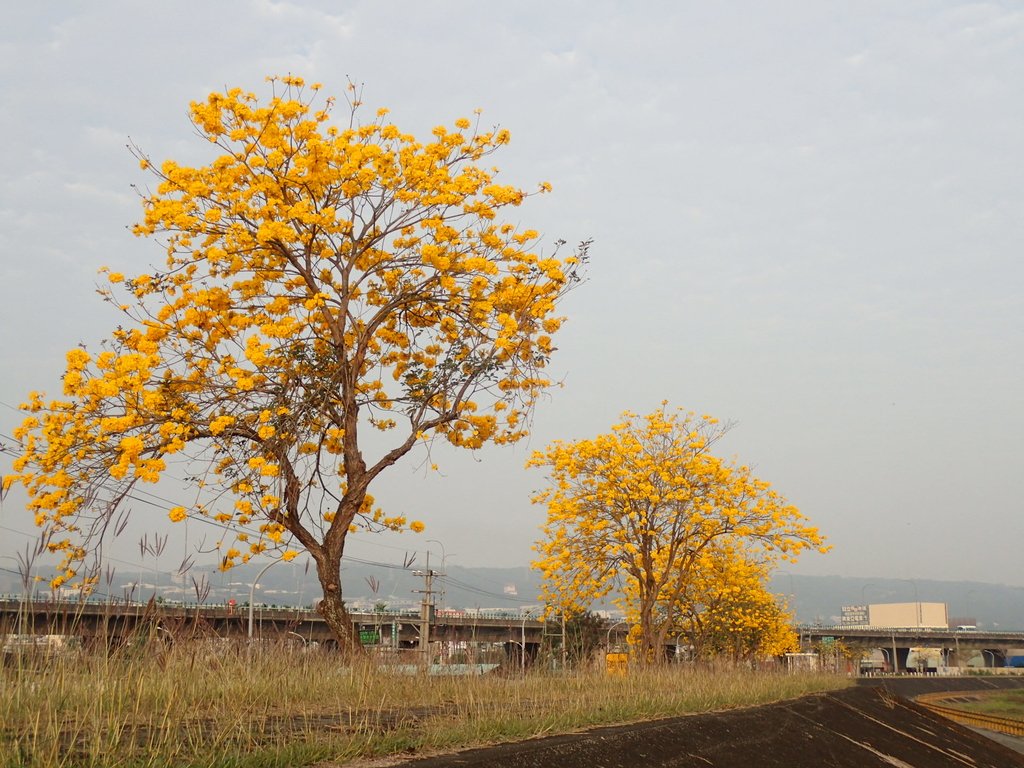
(916, 685)
(911, 687)
(860, 727)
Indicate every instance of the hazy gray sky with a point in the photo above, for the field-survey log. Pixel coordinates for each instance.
(807, 217)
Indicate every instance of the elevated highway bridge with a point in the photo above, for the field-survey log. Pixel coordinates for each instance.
(956, 646)
(119, 622)
(519, 633)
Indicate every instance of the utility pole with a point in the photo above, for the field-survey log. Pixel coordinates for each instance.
(426, 609)
(565, 654)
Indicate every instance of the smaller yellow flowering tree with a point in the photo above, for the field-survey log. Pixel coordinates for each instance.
(321, 282)
(635, 511)
(728, 611)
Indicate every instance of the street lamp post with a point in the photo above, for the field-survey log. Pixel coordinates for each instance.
(608, 635)
(522, 637)
(252, 591)
(917, 600)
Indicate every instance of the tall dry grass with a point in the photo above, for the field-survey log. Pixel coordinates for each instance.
(204, 705)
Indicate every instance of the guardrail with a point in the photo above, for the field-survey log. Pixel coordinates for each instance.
(1008, 725)
(855, 629)
(119, 619)
(15, 602)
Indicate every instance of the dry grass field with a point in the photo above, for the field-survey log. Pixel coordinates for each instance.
(202, 705)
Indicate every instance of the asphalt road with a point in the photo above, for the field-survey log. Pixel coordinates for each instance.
(860, 727)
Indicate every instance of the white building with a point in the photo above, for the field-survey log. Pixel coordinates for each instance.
(916, 615)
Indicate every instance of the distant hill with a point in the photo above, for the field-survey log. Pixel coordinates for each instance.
(814, 598)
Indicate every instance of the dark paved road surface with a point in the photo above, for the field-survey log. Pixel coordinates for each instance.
(867, 726)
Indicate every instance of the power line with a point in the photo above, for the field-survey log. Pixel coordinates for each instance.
(478, 590)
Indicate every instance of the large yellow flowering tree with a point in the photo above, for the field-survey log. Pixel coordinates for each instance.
(637, 510)
(320, 281)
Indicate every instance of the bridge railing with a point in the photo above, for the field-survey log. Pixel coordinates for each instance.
(853, 630)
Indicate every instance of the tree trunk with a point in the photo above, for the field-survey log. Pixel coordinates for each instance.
(332, 607)
(647, 638)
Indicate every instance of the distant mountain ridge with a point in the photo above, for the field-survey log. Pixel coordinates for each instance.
(820, 598)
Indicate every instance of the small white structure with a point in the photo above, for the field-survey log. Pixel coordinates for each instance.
(802, 662)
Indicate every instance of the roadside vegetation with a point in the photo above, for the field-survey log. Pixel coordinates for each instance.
(203, 705)
(1009, 703)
